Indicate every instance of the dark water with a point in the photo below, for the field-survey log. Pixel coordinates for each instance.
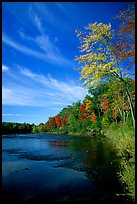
(57, 168)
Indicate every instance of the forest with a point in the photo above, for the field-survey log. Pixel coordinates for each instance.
(103, 106)
(16, 128)
(107, 70)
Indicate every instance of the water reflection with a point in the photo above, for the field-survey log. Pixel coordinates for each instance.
(58, 143)
(37, 166)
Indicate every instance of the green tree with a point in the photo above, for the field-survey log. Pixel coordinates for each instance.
(98, 60)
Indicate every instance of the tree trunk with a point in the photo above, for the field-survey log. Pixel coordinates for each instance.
(129, 100)
(120, 113)
(98, 111)
(131, 107)
(124, 117)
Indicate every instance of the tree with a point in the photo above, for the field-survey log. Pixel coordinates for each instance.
(88, 106)
(98, 59)
(93, 117)
(58, 121)
(64, 120)
(104, 104)
(52, 123)
(83, 112)
(125, 47)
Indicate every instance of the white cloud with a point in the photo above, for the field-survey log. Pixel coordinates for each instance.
(6, 93)
(45, 91)
(21, 48)
(10, 114)
(47, 45)
(64, 7)
(55, 108)
(26, 72)
(44, 42)
(5, 68)
(44, 11)
(70, 89)
(23, 35)
(62, 24)
(48, 56)
(38, 23)
(14, 96)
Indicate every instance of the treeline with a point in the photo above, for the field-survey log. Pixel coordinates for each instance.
(16, 128)
(102, 106)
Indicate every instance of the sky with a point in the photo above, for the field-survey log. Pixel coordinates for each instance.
(39, 45)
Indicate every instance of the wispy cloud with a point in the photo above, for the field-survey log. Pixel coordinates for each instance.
(35, 19)
(44, 42)
(21, 48)
(55, 108)
(71, 89)
(64, 7)
(10, 114)
(50, 57)
(48, 16)
(14, 95)
(42, 45)
(49, 91)
(38, 23)
(5, 68)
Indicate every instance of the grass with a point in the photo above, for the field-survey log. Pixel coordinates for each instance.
(123, 139)
(127, 178)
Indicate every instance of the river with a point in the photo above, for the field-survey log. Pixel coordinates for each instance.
(47, 168)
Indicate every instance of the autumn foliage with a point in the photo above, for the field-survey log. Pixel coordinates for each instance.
(83, 112)
(93, 117)
(58, 121)
(104, 104)
(125, 47)
(64, 120)
(88, 106)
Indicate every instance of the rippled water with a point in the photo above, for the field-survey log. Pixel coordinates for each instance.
(56, 168)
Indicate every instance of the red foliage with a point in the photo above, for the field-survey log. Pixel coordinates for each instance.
(125, 48)
(64, 121)
(58, 121)
(83, 112)
(127, 28)
(51, 124)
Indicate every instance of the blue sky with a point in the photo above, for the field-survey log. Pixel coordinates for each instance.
(39, 46)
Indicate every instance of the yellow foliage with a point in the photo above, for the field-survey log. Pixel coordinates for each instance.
(88, 105)
(98, 61)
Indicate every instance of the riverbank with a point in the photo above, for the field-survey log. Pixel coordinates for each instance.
(123, 139)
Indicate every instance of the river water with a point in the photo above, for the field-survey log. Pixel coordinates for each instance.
(45, 168)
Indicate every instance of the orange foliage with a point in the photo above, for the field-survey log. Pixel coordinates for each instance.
(83, 112)
(104, 105)
(93, 117)
(114, 115)
(126, 46)
(58, 121)
(126, 108)
(127, 28)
